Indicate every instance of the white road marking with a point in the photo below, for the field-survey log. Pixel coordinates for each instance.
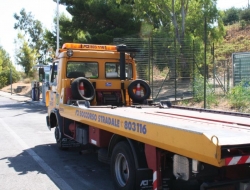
(51, 173)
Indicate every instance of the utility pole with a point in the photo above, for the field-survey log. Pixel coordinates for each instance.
(57, 23)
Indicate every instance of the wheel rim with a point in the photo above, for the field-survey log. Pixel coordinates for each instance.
(121, 169)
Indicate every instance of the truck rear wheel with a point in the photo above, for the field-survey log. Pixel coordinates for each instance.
(123, 167)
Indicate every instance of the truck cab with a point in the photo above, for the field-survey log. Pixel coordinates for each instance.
(106, 74)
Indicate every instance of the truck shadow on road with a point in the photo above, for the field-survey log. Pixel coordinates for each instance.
(79, 171)
(27, 107)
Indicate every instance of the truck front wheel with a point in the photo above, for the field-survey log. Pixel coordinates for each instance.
(123, 167)
(58, 137)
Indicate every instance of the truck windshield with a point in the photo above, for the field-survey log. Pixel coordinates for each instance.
(112, 70)
(82, 69)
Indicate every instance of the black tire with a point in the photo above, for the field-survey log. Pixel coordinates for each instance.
(132, 94)
(123, 171)
(89, 89)
(59, 137)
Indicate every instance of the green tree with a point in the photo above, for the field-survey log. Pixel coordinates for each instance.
(34, 32)
(101, 21)
(245, 15)
(183, 21)
(5, 61)
(187, 17)
(67, 32)
(8, 72)
(231, 16)
(26, 56)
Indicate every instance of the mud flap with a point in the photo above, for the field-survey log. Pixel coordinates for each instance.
(144, 179)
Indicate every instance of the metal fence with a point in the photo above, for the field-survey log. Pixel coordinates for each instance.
(168, 70)
(172, 68)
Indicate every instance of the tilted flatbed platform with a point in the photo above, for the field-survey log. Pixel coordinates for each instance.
(182, 132)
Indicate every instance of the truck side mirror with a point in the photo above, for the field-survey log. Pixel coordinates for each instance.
(41, 74)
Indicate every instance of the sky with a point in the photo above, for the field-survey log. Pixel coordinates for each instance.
(45, 11)
(42, 10)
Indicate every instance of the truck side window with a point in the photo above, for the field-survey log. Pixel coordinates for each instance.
(112, 70)
(86, 69)
(128, 70)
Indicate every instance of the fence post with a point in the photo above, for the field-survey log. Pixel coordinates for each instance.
(151, 52)
(175, 70)
(205, 61)
(240, 70)
(193, 66)
(228, 76)
(213, 66)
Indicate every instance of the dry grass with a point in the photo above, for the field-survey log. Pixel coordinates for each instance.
(27, 81)
(222, 105)
(25, 88)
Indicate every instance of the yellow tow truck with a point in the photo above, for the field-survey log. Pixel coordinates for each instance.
(95, 98)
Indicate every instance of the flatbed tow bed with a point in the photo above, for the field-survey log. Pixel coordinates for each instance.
(184, 132)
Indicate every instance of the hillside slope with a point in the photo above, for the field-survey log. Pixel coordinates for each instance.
(20, 88)
(237, 39)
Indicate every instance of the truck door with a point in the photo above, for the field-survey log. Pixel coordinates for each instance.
(52, 93)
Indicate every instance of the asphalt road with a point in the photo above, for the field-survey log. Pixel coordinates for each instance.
(30, 159)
